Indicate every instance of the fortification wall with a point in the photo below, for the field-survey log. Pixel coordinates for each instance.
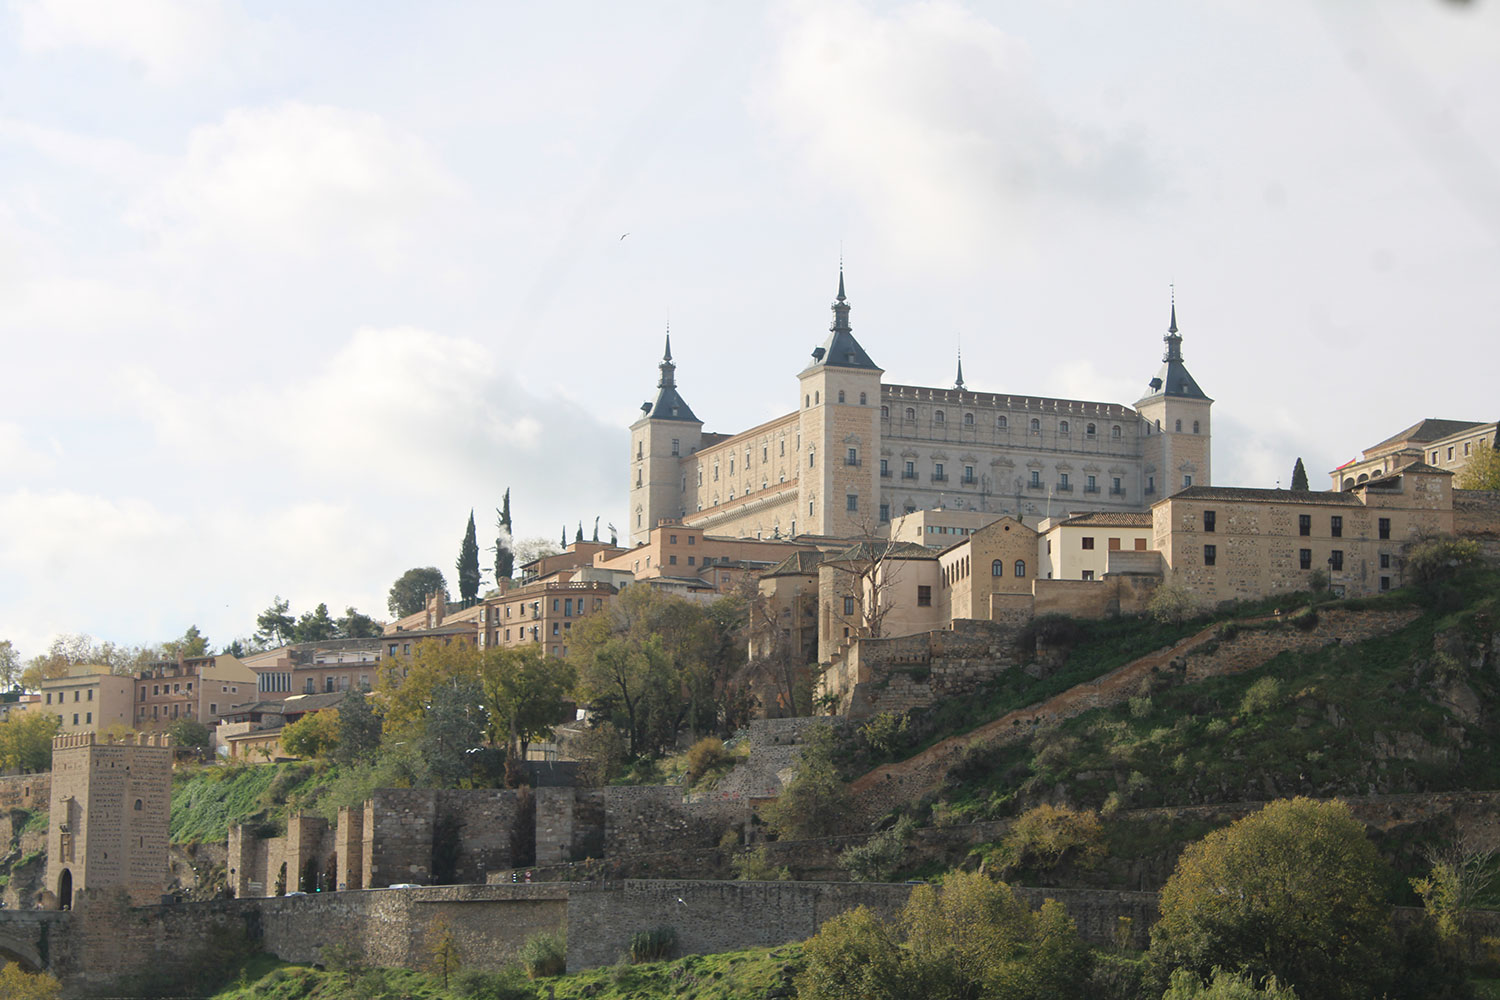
(1124, 593)
(912, 671)
(1476, 513)
(26, 791)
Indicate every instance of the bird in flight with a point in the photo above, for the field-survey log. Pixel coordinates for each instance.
(622, 237)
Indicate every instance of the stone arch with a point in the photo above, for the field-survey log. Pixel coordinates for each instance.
(23, 953)
(65, 889)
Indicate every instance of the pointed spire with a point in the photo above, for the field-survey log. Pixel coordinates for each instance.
(1173, 338)
(958, 383)
(668, 355)
(841, 281)
(668, 370)
(840, 322)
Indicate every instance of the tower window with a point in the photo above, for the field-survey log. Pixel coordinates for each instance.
(937, 416)
(841, 395)
(676, 446)
(885, 413)
(1089, 430)
(862, 399)
(851, 502)
(1002, 422)
(968, 420)
(1179, 427)
(911, 414)
(1020, 567)
(1210, 554)
(1114, 431)
(1036, 426)
(1062, 428)
(1208, 520)
(1195, 427)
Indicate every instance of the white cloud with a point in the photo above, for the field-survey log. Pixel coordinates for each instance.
(166, 39)
(931, 117)
(300, 179)
(20, 460)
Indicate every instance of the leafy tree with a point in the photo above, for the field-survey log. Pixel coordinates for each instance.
(443, 954)
(468, 564)
(1294, 891)
(314, 735)
(26, 742)
(1173, 602)
(1046, 835)
(10, 665)
(273, 626)
(77, 649)
(523, 690)
(192, 643)
(973, 939)
(453, 726)
(579, 537)
(815, 803)
(1459, 874)
(409, 593)
(358, 736)
(1481, 471)
(1299, 475)
(236, 648)
(316, 625)
(563, 545)
(354, 625)
(407, 687)
(190, 733)
(18, 984)
(1186, 985)
(505, 556)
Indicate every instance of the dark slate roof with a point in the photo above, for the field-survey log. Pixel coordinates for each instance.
(1430, 429)
(1264, 495)
(1423, 467)
(796, 564)
(670, 405)
(882, 550)
(841, 350)
(1173, 378)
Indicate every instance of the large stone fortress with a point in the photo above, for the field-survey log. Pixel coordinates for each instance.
(858, 451)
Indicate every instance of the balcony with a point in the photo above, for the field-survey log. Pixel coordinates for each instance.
(969, 480)
(853, 462)
(1116, 491)
(885, 473)
(1091, 489)
(1065, 487)
(908, 475)
(1035, 486)
(940, 477)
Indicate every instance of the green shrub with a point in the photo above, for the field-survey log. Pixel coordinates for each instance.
(507, 984)
(756, 866)
(1262, 696)
(886, 732)
(708, 754)
(879, 858)
(653, 946)
(1440, 559)
(545, 954)
(1044, 836)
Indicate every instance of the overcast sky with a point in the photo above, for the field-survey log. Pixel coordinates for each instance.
(286, 289)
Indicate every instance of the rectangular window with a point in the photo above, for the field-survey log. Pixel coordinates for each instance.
(692, 539)
(1187, 481)
(671, 560)
(1385, 583)
(1304, 525)
(1036, 478)
(1062, 480)
(848, 606)
(568, 601)
(853, 458)
(91, 694)
(1336, 560)
(1210, 555)
(1209, 520)
(1150, 484)
(885, 512)
(1091, 485)
(1140, 545)
(1336, 526)
(1114, 545)
(1088, 574)
(1305, 556)
(692, 560)
(1385, 527)
(924, 597)
(1385, 560)
(937, 471)
(75, 716)
(910, 472)
(851, 502)
(885, 467)
(1088, 543)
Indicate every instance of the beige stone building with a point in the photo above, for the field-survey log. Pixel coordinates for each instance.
(857, 451)
(541, 613)
(318, 667)
(1079, 547)
(939, 527)
(999, 559)
(876, 588)
(1227, 543)
(109, 813)
(196, 687)
(88, 699)
(1442, 444)
(674, 550)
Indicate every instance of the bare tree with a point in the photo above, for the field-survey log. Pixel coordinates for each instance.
(868, 572)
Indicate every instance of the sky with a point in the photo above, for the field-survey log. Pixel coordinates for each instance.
(287, 289)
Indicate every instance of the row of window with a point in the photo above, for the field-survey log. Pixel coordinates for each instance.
(1003, 423)
(1304, 525)
(1304, 559)
(61, 695)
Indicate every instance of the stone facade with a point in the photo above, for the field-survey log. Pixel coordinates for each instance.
(1443, 444)
(88, 699)
(1237, 544)
(109, 809)
(856, 451)
(906, 672)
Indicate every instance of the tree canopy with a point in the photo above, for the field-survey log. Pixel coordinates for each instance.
(26, 742)
(1481, 471)
(1294, 891)
(409, 593)
(467, 564)
(1299, 475)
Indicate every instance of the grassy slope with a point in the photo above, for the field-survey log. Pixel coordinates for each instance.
(739, 975)
(207, 801)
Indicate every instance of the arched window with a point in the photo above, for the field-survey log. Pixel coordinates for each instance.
(997, 568)
(1195, 427)
(937, 416)
(1036, 426)
(1002, 422)
(861, 399)
(1062, 428)
(968, 420)
(1114, 431)
(911, 414)
(841, 395)
(806, 401)
(137, 805)
(818, 399)
(1178, 428)
(885, 413)
(1020, 567)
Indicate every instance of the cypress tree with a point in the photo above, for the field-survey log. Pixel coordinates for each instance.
(579, 537)
(1299, 475)
(468, 564)
(505, 556)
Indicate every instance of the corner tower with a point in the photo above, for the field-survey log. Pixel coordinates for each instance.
(839, 424)
(110, 806)
(666, 431)
(1176, 437)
